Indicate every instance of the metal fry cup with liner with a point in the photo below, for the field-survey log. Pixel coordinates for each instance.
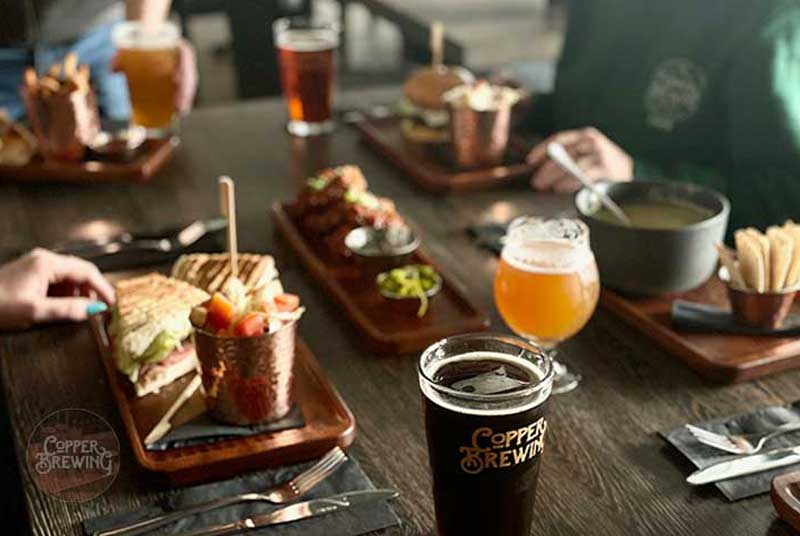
(65, 121)
(248, 380)
(480, 123)
(758, 309)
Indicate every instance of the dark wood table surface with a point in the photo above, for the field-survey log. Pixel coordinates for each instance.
(605, 470)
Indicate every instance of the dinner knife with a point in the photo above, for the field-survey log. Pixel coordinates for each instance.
(745, 465)
(125, 241)
(299, 511)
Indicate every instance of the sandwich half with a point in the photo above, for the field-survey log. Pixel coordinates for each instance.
(150, 330)
(212, 272)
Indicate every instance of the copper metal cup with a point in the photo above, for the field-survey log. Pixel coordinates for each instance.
(64, 123)
(760, 310)
(248, 380)
(479, 138)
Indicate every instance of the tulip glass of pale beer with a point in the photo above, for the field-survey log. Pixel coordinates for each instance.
(546, 286)
(148, 55)
(307, 57)
(485, 398)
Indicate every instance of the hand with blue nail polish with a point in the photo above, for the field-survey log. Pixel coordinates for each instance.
(43, 286)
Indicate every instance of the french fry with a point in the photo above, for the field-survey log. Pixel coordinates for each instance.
(751, 261)
(793, 276)
(730, 263)
(49, 83)
(70, 66)
(68, 86)
(30, 78)
(763, 243)
(781, 247)
(82, 78)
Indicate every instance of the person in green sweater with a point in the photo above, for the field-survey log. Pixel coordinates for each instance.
(706, 92)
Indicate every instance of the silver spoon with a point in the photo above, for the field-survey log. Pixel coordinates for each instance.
(560, 156)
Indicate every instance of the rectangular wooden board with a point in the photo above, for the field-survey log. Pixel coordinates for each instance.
(430, 168)
(148, 159)
(384, 326)
(328, 422)
(721, 357)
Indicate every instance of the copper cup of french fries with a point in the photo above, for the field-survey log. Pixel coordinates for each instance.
(62, 109)
(763, 274)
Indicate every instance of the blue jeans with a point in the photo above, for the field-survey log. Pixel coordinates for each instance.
(94, 48)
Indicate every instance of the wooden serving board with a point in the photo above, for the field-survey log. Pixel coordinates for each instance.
(148, 159)
(384, 326)
(328, 422)
(430, 168)
(722, 357)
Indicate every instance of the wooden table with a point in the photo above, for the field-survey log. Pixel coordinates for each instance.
(605, 471)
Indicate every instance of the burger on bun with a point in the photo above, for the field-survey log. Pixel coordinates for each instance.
(424, 111)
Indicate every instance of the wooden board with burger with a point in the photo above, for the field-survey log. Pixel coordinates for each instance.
(65, 142)
(360, 251)
(450, 133)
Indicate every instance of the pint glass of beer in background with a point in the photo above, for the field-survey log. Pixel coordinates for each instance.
(148, 55)
(307, 57)
(546, 286)
(485, 398)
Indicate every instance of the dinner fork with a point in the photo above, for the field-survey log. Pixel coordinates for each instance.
(739, 443)
(279, 494)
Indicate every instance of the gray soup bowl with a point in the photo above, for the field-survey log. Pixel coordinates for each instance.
(649, 262)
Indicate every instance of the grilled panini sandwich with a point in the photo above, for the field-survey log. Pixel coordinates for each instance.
(150, 329)
(212, 272)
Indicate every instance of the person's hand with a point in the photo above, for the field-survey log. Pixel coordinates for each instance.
(185, 75)
(43, 286)
(599, 158)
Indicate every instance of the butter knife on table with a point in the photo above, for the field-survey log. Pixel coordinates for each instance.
(127, 242)
(746, 465)
(299, 511)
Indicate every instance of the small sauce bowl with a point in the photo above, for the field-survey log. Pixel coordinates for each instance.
(382, 249)
(430, 293)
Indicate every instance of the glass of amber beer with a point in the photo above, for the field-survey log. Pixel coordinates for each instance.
(148, 55)
(546, 286)
(307, 57)
(485, 398)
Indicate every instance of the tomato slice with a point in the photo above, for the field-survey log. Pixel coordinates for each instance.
(286, 303)
(250, 325)
(220, 312)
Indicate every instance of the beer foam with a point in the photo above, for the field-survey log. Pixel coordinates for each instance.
(547, 256)
(307, 40)
(475, 407)
(138, 36)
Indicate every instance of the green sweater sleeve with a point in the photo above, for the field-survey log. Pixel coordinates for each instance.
(761, 176)
(538, 118)
(763, 105)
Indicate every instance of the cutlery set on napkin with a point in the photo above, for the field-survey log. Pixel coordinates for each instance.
(743, 453)
(265, 499)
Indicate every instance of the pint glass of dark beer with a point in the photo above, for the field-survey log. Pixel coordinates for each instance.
(307, 57)
(485, 398)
